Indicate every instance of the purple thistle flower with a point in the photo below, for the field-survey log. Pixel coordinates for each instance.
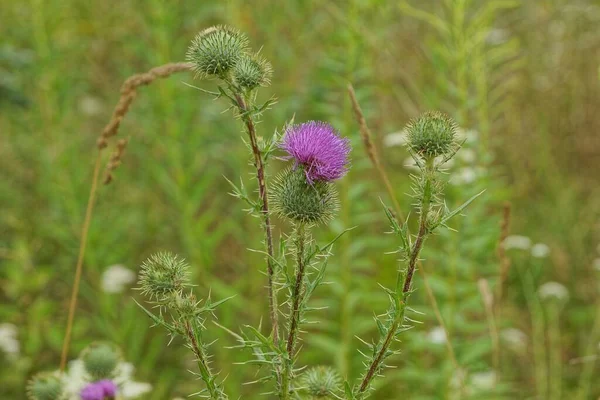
(92, 392)
(101, 390)
(319, 149)
(108, 387)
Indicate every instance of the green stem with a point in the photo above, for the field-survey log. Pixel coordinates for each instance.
(300, 239)
(206, 374)
(555, 356)
(262, 192)
(403, 282)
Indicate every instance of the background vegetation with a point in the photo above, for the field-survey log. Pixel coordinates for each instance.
(521, 77)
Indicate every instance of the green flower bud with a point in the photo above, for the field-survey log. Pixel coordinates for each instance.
(321, 382)
(252, 71)
(100, 360)
(216, 50)
(432, 134)
(162, 274)
(185, 304)
(45, 386)
(294, 198)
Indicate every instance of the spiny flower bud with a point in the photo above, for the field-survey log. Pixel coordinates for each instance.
(432, 134)
(45, 386)
(162, 274)
(295, 198)
(251, 72)
(216, 50)
(185, 304)
(321, 382)
(100, 360)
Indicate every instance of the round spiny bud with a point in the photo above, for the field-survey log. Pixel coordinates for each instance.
(432, 134)
(100, 360)
(252, 71)
(294, 198)
(216, 50)
(45, 386)
(185, 304)
(163, 274)
(321, 382)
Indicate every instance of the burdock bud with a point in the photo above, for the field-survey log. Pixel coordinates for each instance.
(321, 382)
(251, 72)
(45, 386)
(432, 134)
(101, 360)
(295, 198)
(162, 274)
(216, 50)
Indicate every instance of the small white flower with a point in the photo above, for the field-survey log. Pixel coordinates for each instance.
(395, 139)
(514, 339)
(90, 106)
(464, 176)
(496, 36)
(540, 250)
(116, 278)
(483, 380)
(132, 390)
(467, 155)
(596, 264)
(8, 340)
(554, 290)
(517, 242)
(437, 335)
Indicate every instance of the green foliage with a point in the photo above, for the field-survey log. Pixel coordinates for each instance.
(477, 61)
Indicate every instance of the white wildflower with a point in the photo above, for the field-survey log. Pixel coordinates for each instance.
(8, 340)
(467, 155)
(497, 36)
(116, 278)
(395, 139)
(517, 242)
(554, 290)
(540, 250)
(483, 380)
(90, 106)
(77, 378)
(514, 338)
(464, 176)
(437, 335)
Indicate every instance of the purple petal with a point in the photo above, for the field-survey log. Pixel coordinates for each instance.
(92, 392)
(108, 387)
(318, 147)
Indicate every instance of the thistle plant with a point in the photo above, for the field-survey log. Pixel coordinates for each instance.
(223, 53)
(431, 141)
(164, 280)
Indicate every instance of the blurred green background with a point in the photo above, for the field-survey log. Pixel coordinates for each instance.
(521, 77)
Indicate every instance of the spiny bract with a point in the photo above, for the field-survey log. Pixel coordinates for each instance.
(300, 201)
(101, 360)
(216, 50)
(251, 72)
(432, 134)
(45, 386)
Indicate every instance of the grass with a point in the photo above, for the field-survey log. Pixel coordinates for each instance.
(523, 74)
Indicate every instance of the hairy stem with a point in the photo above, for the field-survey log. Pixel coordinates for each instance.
(205, 372)
(403, 283)
(295, 312)
(262, 192)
